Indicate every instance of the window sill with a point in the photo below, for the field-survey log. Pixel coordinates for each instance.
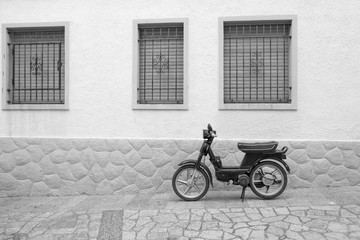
(160, 107)
(36, 107)
(258, 106)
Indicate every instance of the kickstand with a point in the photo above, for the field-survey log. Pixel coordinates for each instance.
(243, 194)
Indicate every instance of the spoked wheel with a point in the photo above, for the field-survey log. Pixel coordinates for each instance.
(190, 184)
(268, 180)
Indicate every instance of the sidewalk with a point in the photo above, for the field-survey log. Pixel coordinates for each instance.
(326, 213)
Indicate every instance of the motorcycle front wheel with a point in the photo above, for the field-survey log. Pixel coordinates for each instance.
(268, 180)
(190, 184)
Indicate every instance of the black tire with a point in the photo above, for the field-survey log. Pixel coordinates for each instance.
(181, 185)
(258, 182)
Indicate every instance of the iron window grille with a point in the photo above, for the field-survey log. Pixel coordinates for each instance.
(161, 64)
(256, 62)
(37, 65)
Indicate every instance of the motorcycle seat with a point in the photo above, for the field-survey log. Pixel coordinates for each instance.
(258, 147)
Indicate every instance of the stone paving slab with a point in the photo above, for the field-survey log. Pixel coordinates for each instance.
(325, 213)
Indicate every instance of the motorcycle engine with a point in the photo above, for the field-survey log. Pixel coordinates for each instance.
(244, 180)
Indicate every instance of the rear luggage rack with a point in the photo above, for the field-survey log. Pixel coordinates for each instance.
(283, 150)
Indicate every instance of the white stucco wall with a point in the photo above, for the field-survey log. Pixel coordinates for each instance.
(101, 44)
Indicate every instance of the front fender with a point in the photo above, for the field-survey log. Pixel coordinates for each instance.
(202, 165)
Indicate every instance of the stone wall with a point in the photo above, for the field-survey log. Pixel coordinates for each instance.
(46, 166)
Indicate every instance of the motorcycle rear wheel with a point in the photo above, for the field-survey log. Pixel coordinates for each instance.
(268, 176)
(189, 187)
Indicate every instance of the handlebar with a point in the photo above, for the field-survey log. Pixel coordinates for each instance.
(209, 132)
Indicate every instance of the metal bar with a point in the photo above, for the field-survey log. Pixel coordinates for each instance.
(277, 64)
(248, 90)
(256, 101)
(37, 43)
(25, 71)
(144, 81)
(149, 39)
(19, 73)
(263, 63)
(250, 66)
(35, 102)
(42, 75)
(257, 66)
(230, 97)
(260, 36)
(161, 102)
(36, 80)
(284, 66)
(152, 71)
(288, 71)
(30, 72)
(48, 75)
(243, 69)
(160, 58)
(270, 65)
(12, 93)
(33, 89)
(168, 80)
(54, 72)
(59, 71)
(156, 88)
(29, 31)
(176, 33)
(237, 79)
(164, 26)
(255, 23)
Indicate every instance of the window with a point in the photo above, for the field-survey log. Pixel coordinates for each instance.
(36, 60)
(160, 63)
(257, 65)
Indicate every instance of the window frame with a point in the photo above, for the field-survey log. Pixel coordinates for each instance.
(6, 66)
(138, 106)
(292, 64)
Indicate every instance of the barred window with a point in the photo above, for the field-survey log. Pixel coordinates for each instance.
(256, 62)
(161, 63)
(37, 65)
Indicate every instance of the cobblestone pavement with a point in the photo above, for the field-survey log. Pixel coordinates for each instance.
(326, 213)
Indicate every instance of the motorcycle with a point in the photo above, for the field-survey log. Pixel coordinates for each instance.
(262, 168)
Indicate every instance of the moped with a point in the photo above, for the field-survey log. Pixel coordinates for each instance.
(262, 168)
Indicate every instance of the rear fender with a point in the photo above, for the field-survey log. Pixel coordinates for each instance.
(202, 165)
(272, 159)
